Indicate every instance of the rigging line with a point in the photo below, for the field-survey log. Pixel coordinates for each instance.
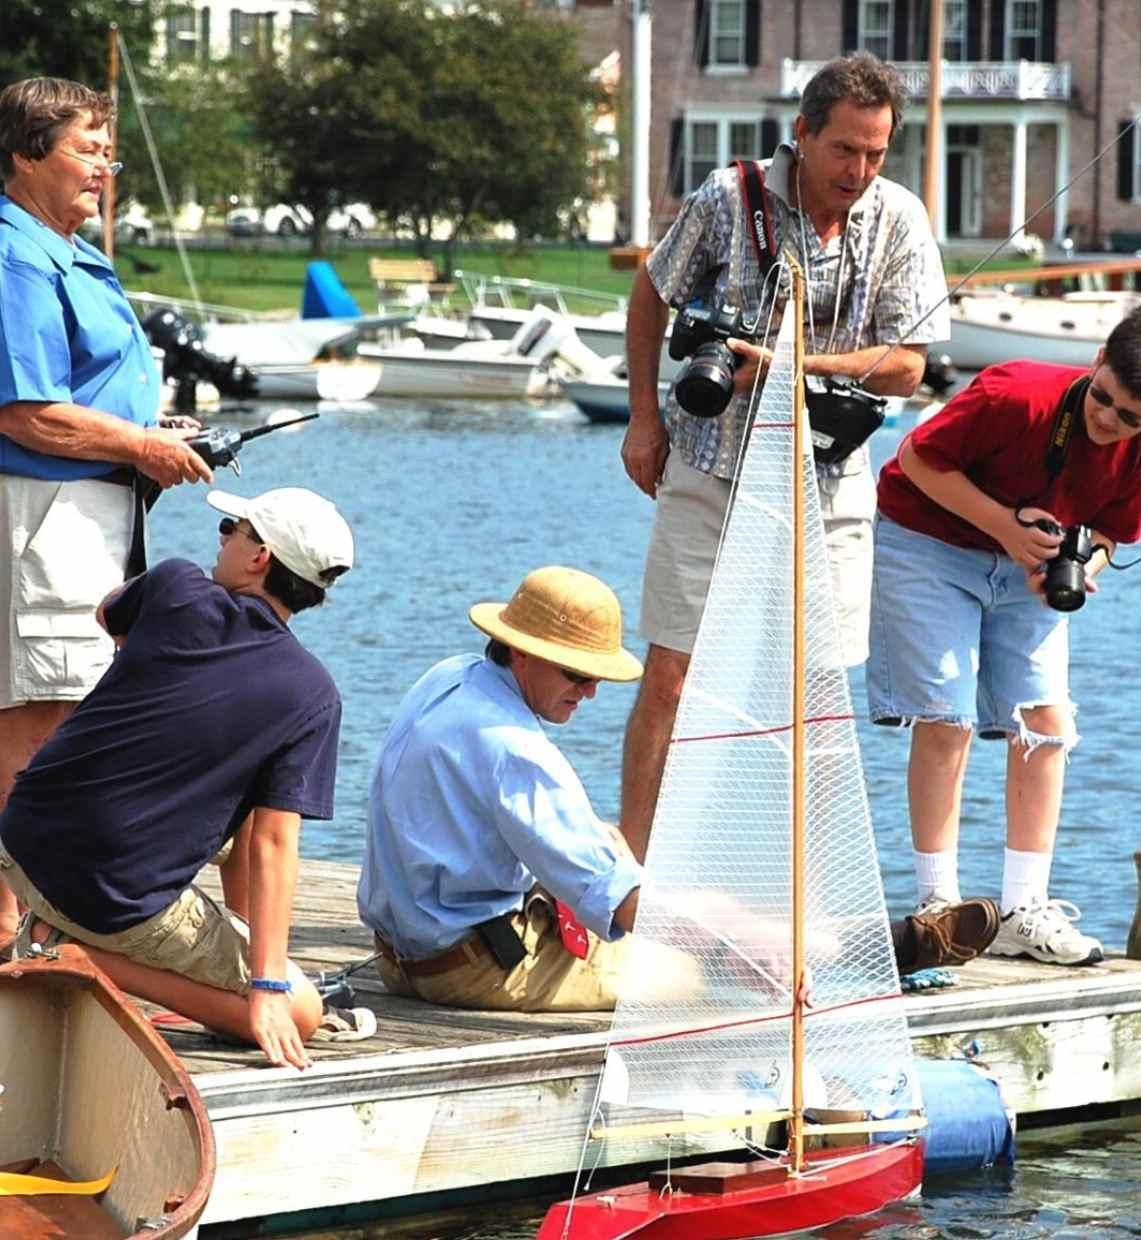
(156, 164)
(738, 736)
(745, 1021)
(991, 253)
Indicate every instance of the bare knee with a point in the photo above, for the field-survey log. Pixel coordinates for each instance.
(940, 741)
(306, 1009)
(1048, 726)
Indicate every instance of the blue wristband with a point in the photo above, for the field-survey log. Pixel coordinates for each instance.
(270, 983)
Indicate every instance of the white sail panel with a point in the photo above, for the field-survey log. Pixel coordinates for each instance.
(718, 876)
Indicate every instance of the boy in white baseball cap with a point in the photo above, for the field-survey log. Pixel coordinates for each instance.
(212, 724)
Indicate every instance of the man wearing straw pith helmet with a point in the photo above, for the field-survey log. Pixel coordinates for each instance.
(489, 881)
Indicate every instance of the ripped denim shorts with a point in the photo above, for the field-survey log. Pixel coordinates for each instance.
(957, 636)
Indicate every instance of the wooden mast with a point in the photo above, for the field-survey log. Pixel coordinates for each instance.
(796, 1118)
(932, 180)
(107, 203)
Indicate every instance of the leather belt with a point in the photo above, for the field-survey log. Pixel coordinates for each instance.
(444, 962)
(121, 476)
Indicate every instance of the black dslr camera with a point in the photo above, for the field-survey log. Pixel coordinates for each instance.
(704, 385)
(1066, 572)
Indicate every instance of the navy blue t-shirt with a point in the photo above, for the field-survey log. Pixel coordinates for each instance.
(211, 708)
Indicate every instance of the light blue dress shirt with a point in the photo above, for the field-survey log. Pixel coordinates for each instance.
(67, 333)
(471, 805)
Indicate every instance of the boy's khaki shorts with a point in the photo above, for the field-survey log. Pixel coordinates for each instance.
(194, 937)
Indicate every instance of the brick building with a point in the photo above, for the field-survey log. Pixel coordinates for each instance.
(1031, 89)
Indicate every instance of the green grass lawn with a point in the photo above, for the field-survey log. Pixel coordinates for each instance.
(263, 276)
(258, 277)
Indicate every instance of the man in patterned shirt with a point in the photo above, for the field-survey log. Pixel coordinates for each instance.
(873, 271)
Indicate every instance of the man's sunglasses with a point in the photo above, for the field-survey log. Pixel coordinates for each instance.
(228, 526)
(577, 678)
(1127, 416)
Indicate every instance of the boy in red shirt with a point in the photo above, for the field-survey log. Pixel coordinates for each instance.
(971, 511)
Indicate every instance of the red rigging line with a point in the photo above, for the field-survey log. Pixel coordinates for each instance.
(782, 727)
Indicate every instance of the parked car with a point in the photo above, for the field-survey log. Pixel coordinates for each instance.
(286, 220)
(133, 225)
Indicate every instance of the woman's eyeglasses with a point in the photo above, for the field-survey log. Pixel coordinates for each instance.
(112, 167)
(1103, 398)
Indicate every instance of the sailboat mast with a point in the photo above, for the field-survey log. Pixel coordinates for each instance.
(108, 200)
(796, 1118)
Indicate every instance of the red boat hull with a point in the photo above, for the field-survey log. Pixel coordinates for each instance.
(870, 1178)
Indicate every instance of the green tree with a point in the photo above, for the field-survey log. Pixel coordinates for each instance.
(493, 120)
(315, 113)
(201, 135)
(69, 38)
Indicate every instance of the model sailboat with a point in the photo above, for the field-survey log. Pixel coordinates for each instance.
(762, 867)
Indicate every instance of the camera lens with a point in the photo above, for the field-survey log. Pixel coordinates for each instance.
(705, 385)
(1066, 585)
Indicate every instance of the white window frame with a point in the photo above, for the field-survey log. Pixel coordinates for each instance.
(960, 39)
(865, 33)
(716, 65)
(1022, 33)
(190, 37)
(724, 122)
(1136, 195)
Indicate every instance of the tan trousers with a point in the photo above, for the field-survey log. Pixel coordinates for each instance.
(550, 979)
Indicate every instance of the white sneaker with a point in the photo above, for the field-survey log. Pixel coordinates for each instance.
(1046, 932)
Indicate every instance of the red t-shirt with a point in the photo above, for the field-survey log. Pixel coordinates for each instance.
(997, 432)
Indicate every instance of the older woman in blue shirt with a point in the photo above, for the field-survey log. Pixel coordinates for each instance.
(79, 394)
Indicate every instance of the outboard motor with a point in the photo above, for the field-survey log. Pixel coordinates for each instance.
(186, 360)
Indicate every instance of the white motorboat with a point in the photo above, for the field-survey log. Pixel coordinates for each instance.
(991, 326)
(500, 303)
(519, 367)
(604, 398)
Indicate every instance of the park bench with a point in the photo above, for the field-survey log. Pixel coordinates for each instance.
(408, 279)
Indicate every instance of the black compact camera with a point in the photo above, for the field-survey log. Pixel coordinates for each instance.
(1066, 572)
(704, 385)
(841, 416)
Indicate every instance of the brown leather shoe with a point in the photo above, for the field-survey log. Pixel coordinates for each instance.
(953, 935)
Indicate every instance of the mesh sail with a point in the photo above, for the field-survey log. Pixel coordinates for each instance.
(718, 882)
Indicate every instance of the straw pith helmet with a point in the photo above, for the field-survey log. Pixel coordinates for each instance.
(565, 616)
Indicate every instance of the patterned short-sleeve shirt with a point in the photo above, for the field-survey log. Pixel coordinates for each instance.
(891, 276)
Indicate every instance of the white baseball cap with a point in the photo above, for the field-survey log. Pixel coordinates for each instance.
(303, 530)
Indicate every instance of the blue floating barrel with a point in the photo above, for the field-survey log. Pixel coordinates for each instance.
(968, 1126)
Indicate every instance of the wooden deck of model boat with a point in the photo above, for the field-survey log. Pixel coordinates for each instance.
(90, 1088)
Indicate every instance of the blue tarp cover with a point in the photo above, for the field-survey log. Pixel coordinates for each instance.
(325, 296)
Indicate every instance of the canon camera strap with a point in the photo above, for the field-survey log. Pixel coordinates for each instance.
(1063, 431)
(752, 179)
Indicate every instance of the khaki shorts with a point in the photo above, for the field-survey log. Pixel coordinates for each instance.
(194, 937)
(550, 979)
(689, 516)
(66, 546)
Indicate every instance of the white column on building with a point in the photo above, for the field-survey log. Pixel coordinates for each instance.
(1018, 180)
(1061, 176)
(640, 163)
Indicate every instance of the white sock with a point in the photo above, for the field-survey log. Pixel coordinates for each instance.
(1025, 878)
(937, 874)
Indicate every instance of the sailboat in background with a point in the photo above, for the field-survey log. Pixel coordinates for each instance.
(762, 866)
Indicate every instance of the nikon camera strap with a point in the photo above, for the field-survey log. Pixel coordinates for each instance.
(1063, 431)
(752, 178)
